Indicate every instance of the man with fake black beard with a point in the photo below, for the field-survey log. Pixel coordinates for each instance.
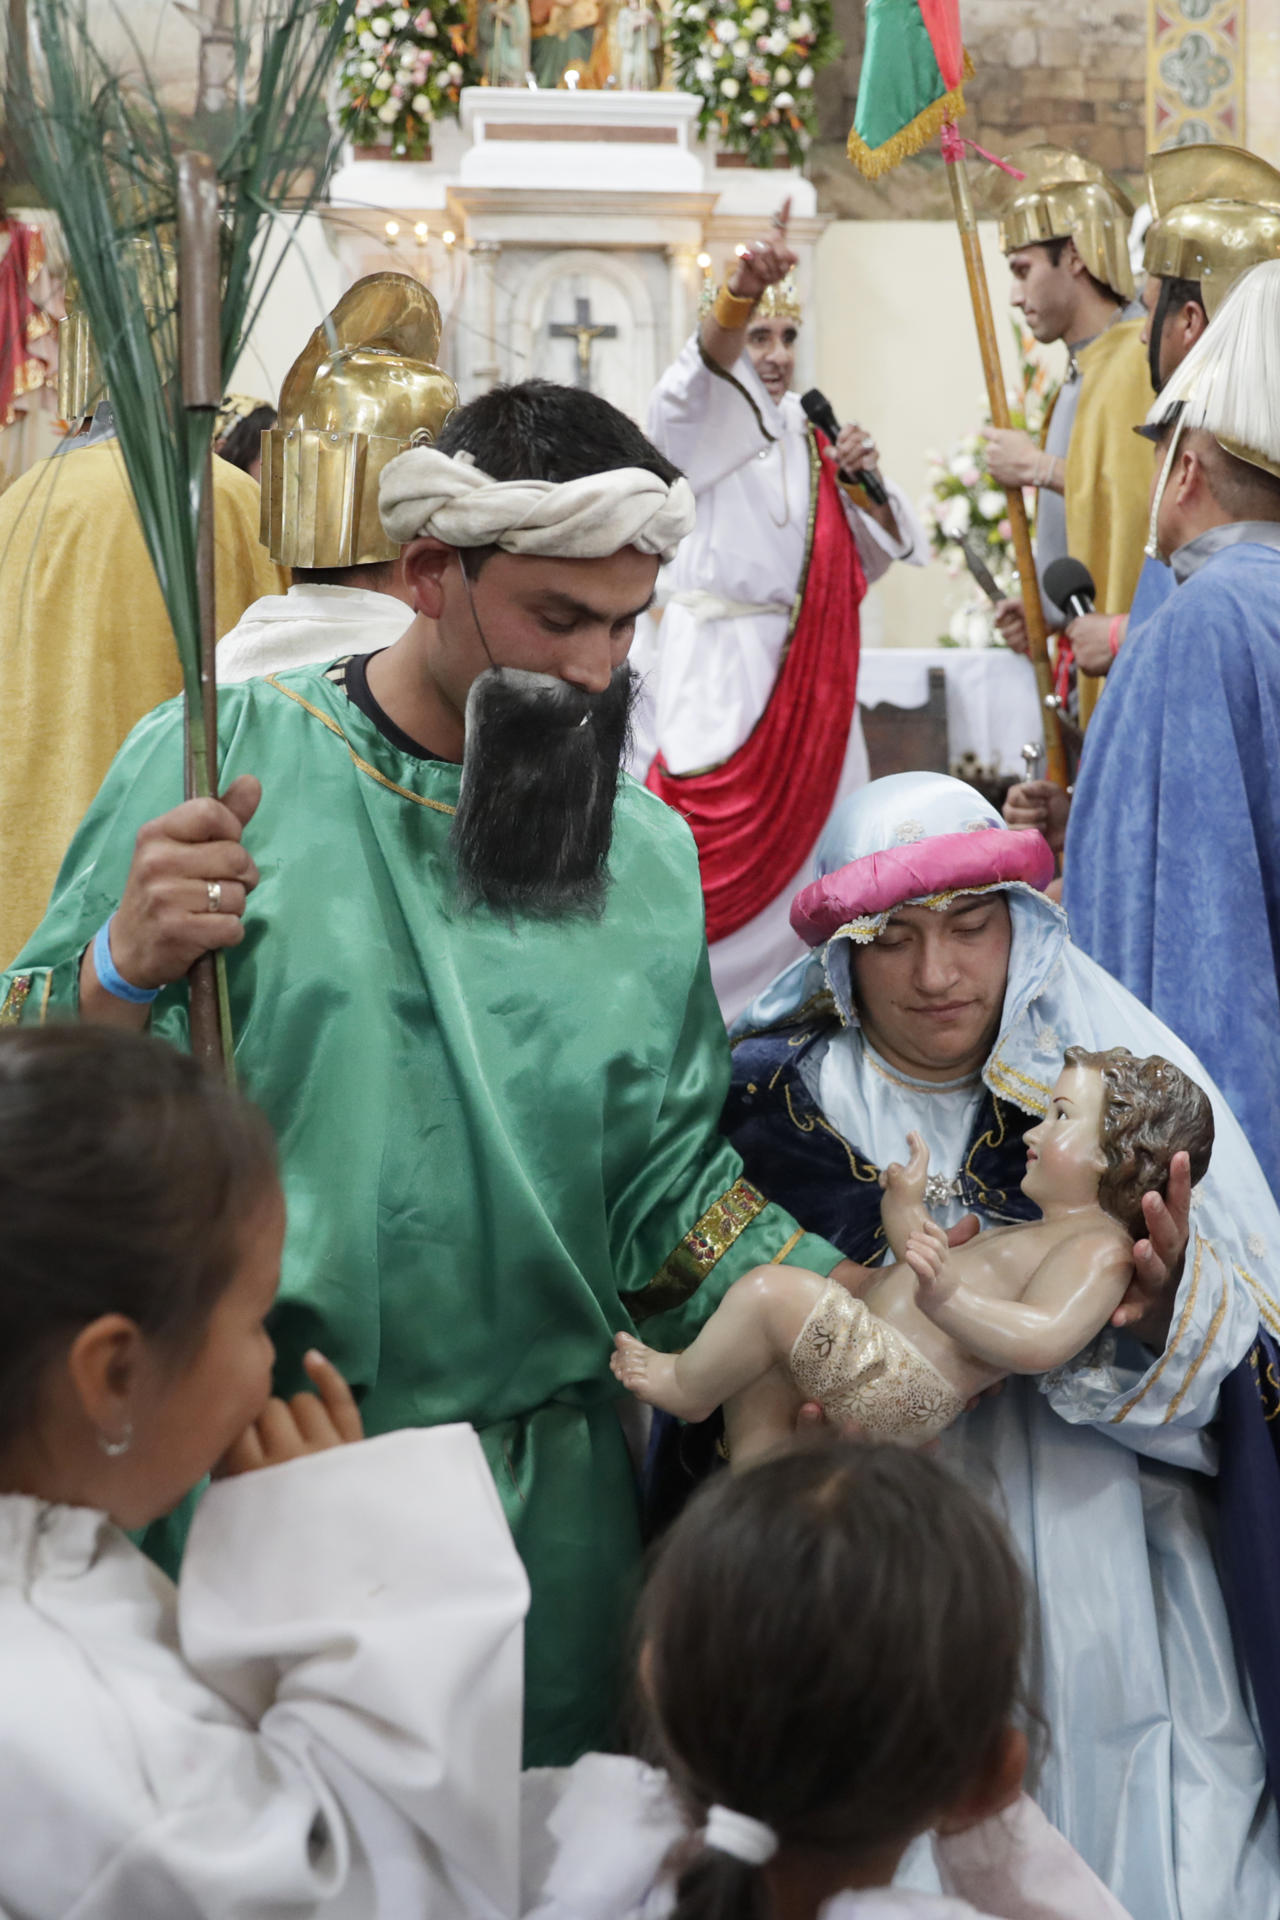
(470, 989)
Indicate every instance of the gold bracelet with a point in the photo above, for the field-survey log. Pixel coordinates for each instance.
(731, 311)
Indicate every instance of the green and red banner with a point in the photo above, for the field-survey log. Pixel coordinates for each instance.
(913, 71)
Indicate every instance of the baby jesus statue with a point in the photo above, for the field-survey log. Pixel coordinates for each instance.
(905, 1354)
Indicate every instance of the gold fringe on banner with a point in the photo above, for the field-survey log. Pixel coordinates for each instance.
(872, 162)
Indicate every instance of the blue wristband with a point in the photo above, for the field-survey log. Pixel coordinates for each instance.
(109, 980)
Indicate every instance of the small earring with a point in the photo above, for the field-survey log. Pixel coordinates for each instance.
(114, 1448)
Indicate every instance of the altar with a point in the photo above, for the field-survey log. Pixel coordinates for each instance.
(567, 234)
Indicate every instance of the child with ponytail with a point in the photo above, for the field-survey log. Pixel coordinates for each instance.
(830, 1665)
(323, 1719)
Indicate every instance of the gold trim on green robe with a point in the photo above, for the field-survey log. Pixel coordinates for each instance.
(497, 1137)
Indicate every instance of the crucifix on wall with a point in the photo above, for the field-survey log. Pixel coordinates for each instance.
(585, 331)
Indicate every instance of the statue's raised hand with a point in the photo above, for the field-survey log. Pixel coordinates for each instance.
(902, 1210)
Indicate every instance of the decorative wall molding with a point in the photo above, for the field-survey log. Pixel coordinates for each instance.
(1195, 72)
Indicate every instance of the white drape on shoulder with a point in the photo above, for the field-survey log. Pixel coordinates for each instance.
(307, 626)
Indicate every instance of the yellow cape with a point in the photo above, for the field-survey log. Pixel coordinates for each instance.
(1109, 473)
(86, 647)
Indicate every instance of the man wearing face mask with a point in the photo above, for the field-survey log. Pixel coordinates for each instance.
(748, 721)
(470, 991)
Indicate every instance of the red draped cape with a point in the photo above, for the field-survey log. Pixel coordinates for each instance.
(757, 814)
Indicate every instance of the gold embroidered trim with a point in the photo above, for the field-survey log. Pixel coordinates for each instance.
(1173, 1345)
(868, 925)
(44, 997)
(16, 999)
(1215, 1326)
(1264, 1380)
(687, 1266)
(1033, 1097)
(327, 720)
(1267, 1310)
(789, 1247)
(815, 1120)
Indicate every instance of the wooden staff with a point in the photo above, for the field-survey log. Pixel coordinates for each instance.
(200, 359)
(980, 295)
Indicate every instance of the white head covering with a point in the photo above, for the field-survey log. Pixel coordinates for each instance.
(425, 491)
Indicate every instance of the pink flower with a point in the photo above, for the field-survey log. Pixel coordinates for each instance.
(1005, 529)
(397, 91)
(762, 46)
(784, 6)
(422, 21)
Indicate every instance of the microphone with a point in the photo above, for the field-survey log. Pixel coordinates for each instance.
(1069, 584)
(820, 410)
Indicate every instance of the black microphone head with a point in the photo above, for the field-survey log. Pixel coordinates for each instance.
(820, 410)
(1066, 580)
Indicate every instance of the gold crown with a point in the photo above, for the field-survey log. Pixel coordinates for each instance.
(1066, 197)
(363, 390)
(781, 301)
(1217, 213)
(236, 406)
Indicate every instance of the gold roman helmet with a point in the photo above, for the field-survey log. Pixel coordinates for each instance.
(1216, 214)
(1066, 198)
(80, 382)
(363, 389)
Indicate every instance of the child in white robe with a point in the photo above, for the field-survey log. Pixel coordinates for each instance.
(831, 1647)
(324, 1717)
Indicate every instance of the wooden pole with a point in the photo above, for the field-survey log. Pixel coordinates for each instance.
(980, 295)
(200, 359)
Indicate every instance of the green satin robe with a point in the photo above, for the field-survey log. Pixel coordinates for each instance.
(499, 1141)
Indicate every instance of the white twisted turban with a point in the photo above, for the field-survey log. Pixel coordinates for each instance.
(425, 491)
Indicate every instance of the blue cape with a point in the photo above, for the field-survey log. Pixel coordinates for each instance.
(1172, 870)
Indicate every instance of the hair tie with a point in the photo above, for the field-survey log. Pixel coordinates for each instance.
(741, 1837)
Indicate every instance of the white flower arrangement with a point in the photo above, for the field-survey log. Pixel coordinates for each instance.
(753, 63)
(400, 71)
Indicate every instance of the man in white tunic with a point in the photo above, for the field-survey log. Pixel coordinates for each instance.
(363, 389)
(734, 730)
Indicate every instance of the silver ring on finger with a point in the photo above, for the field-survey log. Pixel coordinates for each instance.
(214, 889)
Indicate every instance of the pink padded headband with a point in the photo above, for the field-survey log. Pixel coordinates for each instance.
(927, 872)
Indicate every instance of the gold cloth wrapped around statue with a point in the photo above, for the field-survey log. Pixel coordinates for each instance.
(363, 389)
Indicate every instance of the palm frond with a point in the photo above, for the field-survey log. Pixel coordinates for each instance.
(104, 151)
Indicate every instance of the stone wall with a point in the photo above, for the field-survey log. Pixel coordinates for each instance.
(1072, 73)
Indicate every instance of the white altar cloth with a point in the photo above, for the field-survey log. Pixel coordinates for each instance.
(992, 706)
